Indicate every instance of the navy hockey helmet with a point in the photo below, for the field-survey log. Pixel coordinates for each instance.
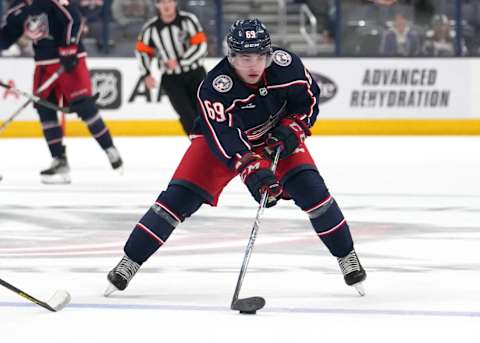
(248, 36)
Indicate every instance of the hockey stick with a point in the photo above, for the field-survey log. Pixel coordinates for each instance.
(14, 115)
(37, 99)
(40, 89)
(58, 301)
(253, 304)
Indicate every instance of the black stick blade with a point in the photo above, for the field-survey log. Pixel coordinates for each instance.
(248, 305)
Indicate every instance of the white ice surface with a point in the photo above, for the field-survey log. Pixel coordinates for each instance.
(413, 205)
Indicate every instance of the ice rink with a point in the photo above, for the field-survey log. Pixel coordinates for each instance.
(413, 204)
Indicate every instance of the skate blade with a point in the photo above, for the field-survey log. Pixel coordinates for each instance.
(59, 300)
(110, 289)
(59, 179)
(360, 289)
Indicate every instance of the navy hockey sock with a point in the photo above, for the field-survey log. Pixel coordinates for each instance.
(151, 232)
(86, 109)
(310, 193)
(52, 131)
(332, 228)
(54, 136)
(99, 131)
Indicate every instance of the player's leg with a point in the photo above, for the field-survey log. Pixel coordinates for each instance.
(59, 170)
(87, 110)
(304, 184)
(199, 178)
(177, 91)
(77, 90)
(171, 208)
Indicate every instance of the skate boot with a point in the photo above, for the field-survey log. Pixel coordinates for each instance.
(58, 173)
(353, 272)
(115, 159)
(120, 276)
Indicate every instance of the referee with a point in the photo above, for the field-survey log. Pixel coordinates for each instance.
(177, 39)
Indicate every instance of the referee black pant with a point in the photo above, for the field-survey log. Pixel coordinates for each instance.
(181, 89)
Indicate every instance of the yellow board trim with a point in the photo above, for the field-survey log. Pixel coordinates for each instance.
(323, 127)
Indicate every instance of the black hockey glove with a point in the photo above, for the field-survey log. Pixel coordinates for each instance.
(256, 174)
(68, 57)
(289, 133)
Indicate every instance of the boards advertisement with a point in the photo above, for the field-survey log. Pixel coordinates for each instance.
(358, 96)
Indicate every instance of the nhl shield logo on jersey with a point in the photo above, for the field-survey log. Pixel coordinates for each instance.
(282, 58)
(222, 83)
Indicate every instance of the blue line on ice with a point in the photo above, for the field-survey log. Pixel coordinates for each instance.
(336, 311)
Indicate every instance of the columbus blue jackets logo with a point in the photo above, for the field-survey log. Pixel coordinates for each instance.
(282, 58)
(222, 83)
(36, 27)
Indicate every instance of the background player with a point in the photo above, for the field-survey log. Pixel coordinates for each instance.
(177, 39)
(54, 26)
(256, 98)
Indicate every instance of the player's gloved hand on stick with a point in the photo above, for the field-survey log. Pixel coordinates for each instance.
(290, 132)
(68, 57)
(257, 176)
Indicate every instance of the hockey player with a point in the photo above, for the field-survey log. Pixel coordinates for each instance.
(253, 101)
(54, 26)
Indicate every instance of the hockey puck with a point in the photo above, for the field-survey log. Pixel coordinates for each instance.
(248, 305)
(248, 312)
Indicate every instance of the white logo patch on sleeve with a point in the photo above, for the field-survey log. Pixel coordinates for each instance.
(282, 58)
(222, 83)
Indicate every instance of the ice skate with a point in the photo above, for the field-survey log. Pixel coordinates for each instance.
(115, 159)
(353, 272)
(58, 173)
(121, 275)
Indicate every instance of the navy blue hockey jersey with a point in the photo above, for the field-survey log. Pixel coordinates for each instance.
(49, 23)
(235, 117)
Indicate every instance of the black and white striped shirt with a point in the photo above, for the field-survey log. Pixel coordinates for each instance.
(183, 40)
